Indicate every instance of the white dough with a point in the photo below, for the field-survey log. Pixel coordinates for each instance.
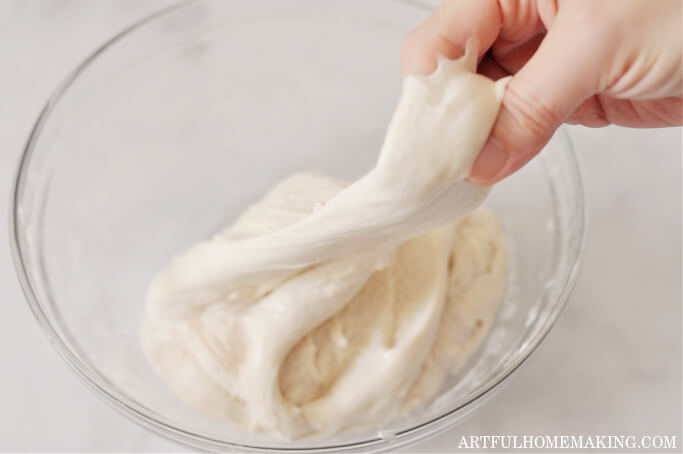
(328, 306)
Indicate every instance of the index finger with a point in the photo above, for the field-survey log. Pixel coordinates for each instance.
(446, 31)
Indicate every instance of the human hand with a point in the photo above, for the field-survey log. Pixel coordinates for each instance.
(577, 61)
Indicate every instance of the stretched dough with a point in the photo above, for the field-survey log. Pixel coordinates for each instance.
(329, 305)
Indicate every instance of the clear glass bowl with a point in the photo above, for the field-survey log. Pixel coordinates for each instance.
(172, 127)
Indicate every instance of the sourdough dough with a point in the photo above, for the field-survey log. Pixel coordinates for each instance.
(328, 305)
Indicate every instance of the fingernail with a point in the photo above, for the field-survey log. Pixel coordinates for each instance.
(489, 163)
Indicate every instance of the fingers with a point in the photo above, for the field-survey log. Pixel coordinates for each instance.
(554, 78)
(446, 32)
(546, 90)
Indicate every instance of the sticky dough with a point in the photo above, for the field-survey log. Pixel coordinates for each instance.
(328, 306)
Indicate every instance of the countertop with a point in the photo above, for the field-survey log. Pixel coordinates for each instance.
(611, 365)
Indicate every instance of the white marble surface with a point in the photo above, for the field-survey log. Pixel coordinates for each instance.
(612, 365)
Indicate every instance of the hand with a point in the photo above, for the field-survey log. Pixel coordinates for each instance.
(578, 61)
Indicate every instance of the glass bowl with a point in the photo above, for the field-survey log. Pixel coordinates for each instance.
(175, 125)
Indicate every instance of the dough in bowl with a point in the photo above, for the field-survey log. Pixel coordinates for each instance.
(328, 306)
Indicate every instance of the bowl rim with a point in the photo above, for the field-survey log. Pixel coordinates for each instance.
(137, 412)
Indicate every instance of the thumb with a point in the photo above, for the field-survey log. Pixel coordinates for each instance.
(539, 97)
